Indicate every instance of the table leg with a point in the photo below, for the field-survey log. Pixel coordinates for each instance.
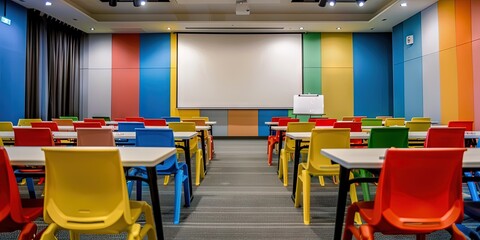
(295, 166)
(202, 137)
(341, 202)
(280, 143)
(188, 161)
(157, 214)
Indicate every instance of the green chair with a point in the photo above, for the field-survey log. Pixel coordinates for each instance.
(74, 118)
(383, 138)
(371, 122)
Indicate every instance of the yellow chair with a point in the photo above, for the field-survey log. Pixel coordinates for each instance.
(85, 193)
(421, 119)
(200, 121)
(7, 127)
(389, 122)
(418, 126)
(63, 122)
(318, 165)
(383, 117)
(1, 142)
(289, 147)
(27, 121)
(194, 150)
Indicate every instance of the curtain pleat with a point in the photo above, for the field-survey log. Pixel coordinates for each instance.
(35, 26)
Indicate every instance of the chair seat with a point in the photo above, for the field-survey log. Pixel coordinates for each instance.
(32, 208)
(323, 170)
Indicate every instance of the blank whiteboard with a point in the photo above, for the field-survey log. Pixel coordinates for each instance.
(310, 104)
(238, 71)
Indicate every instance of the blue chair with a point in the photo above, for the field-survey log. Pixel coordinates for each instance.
(128, 127)
(171, 119)
(163, 138)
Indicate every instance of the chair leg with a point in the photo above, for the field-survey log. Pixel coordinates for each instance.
(178, 196)
(421, 237)
(28, 232)
(306, 196)
(280, 166)
(299, 189)
(472, 188)
(139, 190)
(166, 180)
(148, 212)
(31, 188)
(365, 188)
(354, 199)
(49, 232)
(199, 172)
(321, 180)
(284, 159)
(186, 187)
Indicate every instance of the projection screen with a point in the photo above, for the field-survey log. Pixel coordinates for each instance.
(244, 71)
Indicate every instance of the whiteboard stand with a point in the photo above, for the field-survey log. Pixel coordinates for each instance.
(308, 104)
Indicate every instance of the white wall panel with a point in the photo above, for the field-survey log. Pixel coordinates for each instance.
(100, 51)
(99, 92)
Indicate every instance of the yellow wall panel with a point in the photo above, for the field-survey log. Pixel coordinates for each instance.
(337, 85)
(242, 122)
(173, 75)
(337, 50)
(446, 24)
(448, 85)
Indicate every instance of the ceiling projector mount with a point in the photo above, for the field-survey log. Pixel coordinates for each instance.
(242, 8)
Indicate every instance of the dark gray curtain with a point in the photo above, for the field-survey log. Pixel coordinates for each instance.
(35, 27)
(63, 44)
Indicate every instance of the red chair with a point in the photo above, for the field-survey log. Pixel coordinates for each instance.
(445, 137)
(119, 119)
(354, 127)
(468, 125)
(52, 125)
(272, 140)
(358, 118)
(135, 119)
(101, 121)
(324, 121)
(155, 122)
(16, 213)
(408, 201)
(86, 125)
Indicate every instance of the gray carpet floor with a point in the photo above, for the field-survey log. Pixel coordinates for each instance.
(241, 197)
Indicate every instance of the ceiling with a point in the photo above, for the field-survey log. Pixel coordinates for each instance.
(220, 15)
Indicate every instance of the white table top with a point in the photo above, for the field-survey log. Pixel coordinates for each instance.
(373, 157)
(68, 128)
(116, 135)
(131, 156)
(305, 136)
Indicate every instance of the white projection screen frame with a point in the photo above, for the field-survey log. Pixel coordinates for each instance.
(238, 71)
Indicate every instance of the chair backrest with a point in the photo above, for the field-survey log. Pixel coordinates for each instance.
(146, 137)
(120, 119)
(10, 202)
(325, 138)
(155, 122)
(99, 120)
(33, 137)
(418, 126)
(297, 127)
(285, 121)
(95, 137)
(371, 122)
(358, 118)
(52, 125)
(129, 126)
(198, 122)
(325, 121)
(383, 117)
(1, 142)
(394, 122)
(468, 125)
(275, 119)
(102, 117)
(27, 121)
(63, 122)
(171, 119)
(86, 125)
(404, 183)
(74, 118)
(135, 119)
(100, 198)
(354, 126)
(6, 126)
(445, 137)
(185, 127)
(347, 118)
(388, 137)
(421, 119)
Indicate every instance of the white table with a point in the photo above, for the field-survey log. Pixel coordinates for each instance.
(370, 158)
(148, 157)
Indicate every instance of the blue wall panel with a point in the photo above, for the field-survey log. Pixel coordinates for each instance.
(12, 63)
(398, 71)
(154, 75)
(372, 74)
(266, 116)
(413, 74)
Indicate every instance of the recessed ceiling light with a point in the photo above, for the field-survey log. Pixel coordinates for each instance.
(403, 4)
(169, 29)
(93, 29)
(339, 28)
(143, 3)
(48, 4)
(301, 28)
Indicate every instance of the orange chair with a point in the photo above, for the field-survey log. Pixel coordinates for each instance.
(52, 125)
(272, 140)
(445, 137)
(95, 137)
(63, 122)
(358, 118)
(155, 122)
(408, 201)
(323, 121)
(101, 121)
(16, 213)
(86, 125)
